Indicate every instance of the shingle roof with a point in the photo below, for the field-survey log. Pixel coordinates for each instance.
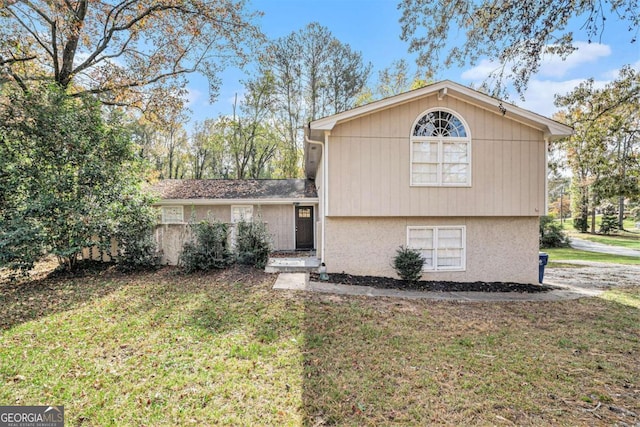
(235, 189)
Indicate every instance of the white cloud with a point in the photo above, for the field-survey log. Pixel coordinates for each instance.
(540, 94)
(193, 96)
(481, 71)
(552, 66)
(613, 74)
(586, 53)
(556, 76)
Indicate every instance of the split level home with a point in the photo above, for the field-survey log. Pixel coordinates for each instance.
(454, 173)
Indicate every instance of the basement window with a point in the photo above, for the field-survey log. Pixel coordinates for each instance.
(443, 248)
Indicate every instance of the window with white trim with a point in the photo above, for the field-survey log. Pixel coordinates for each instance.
(241, 212)
(172, 214)
(440, 150)
(443, 248)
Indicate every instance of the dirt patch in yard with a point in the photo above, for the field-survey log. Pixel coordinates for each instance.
(432, 286)
(593, 275)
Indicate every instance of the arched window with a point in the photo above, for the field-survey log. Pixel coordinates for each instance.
(440, 150)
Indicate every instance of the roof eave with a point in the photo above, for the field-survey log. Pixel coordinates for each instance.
(551, 128)
(208, 202)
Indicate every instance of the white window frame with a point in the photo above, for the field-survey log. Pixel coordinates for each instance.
(436, 248)
(173, 219)
(441, 141)
(249, 208)
(235, 220)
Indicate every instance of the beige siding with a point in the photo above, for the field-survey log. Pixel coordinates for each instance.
(279, 218)
(170, 239)
(497, 249)
(94, 253)
(280, 222)
(369, 166)
(319, 209)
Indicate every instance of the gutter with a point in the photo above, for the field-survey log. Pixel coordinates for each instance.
(217, 202)
(325, 189)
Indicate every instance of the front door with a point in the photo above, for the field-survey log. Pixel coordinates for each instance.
(304, 227)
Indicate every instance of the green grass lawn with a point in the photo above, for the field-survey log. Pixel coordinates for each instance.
(629, 238)
(624, 239)
(225, 349)
(629, 224)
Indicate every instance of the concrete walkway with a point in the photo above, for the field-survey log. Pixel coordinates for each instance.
(300, 282)
(586, 245)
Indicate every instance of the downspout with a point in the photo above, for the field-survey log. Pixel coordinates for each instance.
(325, 193)
(546, 177)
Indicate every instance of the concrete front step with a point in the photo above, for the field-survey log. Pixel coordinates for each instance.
(292, 265)
(296, 281)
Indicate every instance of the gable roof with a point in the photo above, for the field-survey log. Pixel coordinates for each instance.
(201, 191)
(551, 128)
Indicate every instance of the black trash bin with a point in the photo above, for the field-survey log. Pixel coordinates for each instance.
(543, 258)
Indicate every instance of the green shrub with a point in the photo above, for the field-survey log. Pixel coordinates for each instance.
(408, 264)
(551, 234)
(581, 224)
(21, 244)
(635, 213)
(609, 221)
(208, 250)
(253, 243)
(135, 220)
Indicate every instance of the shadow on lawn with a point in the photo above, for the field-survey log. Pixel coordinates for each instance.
(26, 300)
(392, 361)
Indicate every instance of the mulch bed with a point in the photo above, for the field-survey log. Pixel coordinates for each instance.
(432, 286)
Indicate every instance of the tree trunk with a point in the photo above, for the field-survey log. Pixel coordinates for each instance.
(621, 213)
(593, 215)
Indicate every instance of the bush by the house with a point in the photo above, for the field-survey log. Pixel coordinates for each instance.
(408, 264)
(208, 250)
(133, 233)
(609, 222)
(551, 234)
(253, 243)
(635, 213)
(63, 166)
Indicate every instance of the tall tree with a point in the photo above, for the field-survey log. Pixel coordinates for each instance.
(314, 75)
(515, 34)
(207, 151)
(604, 152)
(393, 80)
(250, 137)
(133, 52)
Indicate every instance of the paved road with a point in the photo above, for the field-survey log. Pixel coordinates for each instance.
(586, 245)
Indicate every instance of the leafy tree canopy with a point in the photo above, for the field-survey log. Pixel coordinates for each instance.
(129, 52)
(515, 33)
(69, 181)
(604, 152)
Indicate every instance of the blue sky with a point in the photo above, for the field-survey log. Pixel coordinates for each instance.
(372, 27)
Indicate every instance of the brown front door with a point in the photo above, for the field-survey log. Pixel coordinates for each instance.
(304, 227)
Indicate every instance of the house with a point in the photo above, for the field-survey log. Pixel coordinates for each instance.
(454, 173)
(444, 169)
(287, 206)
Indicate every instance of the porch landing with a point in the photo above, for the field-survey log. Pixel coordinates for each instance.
(292, 265)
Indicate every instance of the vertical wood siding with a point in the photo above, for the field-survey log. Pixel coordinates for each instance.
(369, 166)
